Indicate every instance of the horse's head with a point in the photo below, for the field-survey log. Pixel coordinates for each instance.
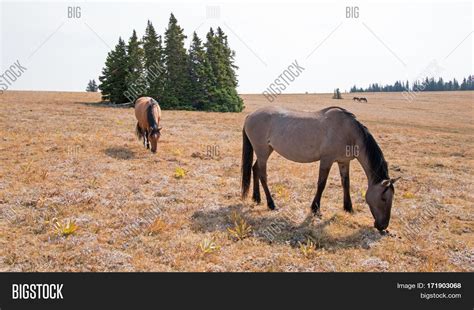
(380, 197)
(153, 137)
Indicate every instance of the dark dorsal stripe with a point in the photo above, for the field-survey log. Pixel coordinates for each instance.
(151, 117)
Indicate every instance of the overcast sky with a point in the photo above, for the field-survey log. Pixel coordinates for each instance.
(385, 43)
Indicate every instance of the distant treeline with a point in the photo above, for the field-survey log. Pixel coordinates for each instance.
(428, 84)
(201, 78)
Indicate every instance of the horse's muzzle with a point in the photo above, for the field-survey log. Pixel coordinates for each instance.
(380, 226)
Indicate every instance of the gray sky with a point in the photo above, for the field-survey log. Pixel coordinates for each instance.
(387, 42)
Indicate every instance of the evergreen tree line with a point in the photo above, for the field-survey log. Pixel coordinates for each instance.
(428, 84)
(200, 78)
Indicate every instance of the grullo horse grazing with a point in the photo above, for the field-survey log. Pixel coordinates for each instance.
(362, 99)
(148, 114)
(330, 135)
(356, 98)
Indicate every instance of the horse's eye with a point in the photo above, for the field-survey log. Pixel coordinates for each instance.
(384, 200)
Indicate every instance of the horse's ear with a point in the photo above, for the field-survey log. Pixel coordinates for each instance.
(394, 180)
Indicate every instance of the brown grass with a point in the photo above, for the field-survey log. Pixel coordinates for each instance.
(66, 160)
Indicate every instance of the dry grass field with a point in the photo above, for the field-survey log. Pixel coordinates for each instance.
(78, 192)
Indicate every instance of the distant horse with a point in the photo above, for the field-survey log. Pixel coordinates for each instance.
(363, 99)
(356, 98)
(330, 135)
(148, 114)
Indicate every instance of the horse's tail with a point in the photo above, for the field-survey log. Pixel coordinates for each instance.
(138, 132)
(247, 159)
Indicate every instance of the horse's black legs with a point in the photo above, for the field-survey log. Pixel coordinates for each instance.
(344, 171)
(262, 173)
(324, 168)
(256, 187)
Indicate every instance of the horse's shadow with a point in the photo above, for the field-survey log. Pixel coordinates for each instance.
(283, 230)
(119, 153)
(102, 104)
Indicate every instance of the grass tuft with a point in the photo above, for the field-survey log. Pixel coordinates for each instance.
(208, 245)
(408, 195)
(241, 228)
(282, 191)
(308, 248)
(179, 173)
(65, 229)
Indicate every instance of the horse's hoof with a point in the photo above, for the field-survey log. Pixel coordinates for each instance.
(271, 205)
(316, 210)
(257, 200)
(317, 213)
(349, 210)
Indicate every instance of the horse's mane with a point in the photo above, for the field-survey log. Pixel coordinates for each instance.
(378, 165)
(150, 117)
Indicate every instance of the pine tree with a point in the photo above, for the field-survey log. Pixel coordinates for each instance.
(455, 84)
(136, 82)
(153, 62)
(448, 86)
(224, 97)
(470, 82)
(228, 56)
(92, 86)
(426, 85)
(432, 84)
(202, 80)
(440, 85)
(212, 53)
(176, 89)
(113, 80)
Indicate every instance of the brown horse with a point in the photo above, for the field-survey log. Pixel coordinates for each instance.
(330, 135)
(363, 99)
(148, 114)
